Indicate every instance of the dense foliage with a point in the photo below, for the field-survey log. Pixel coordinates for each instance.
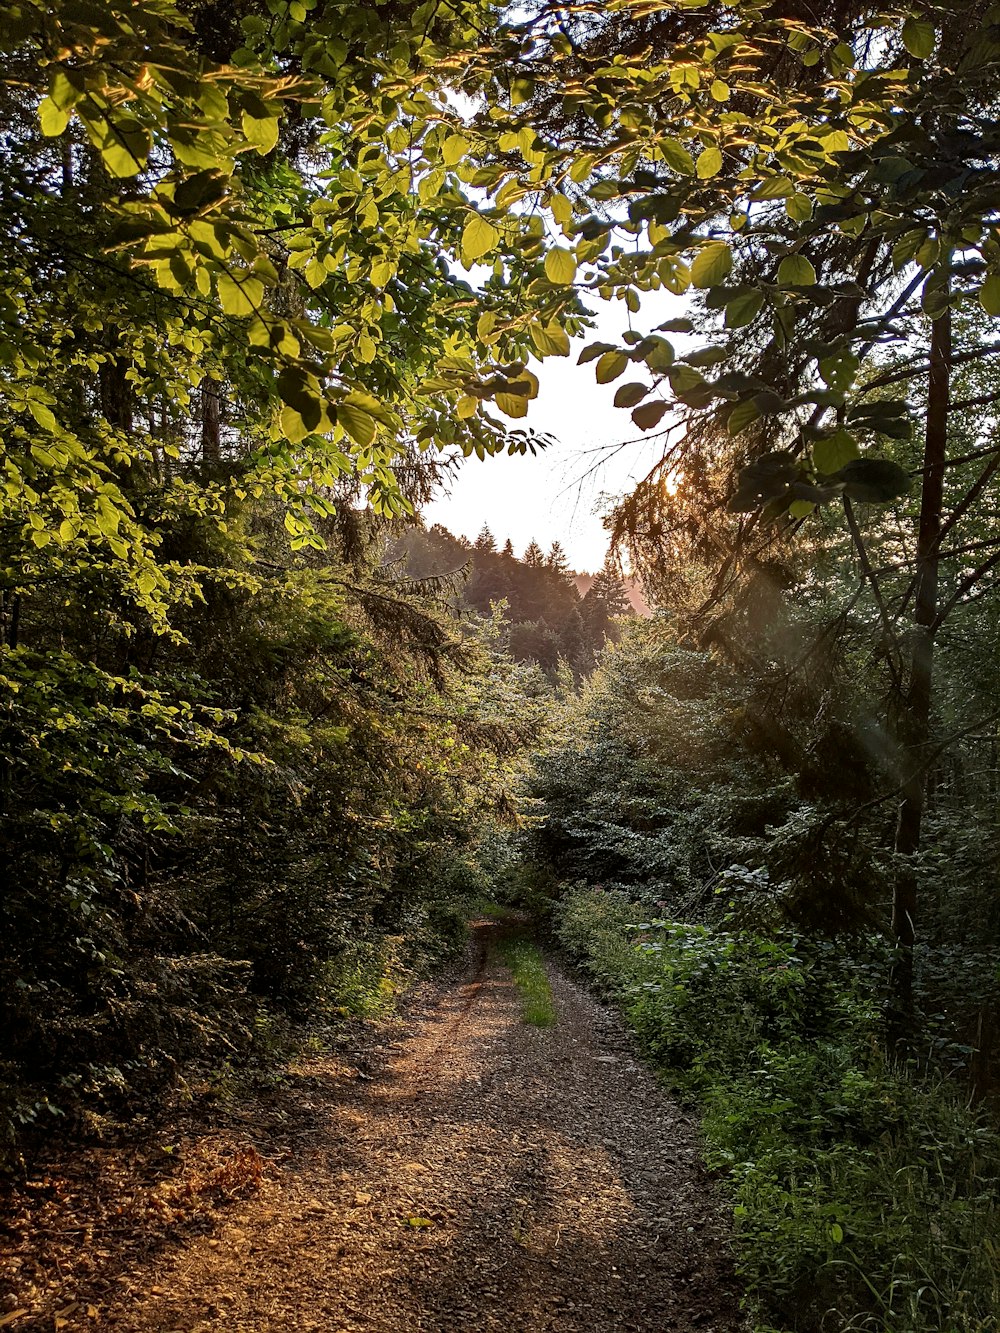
(268, 267)
(863, 1199)
(724, 851)
(238, 757)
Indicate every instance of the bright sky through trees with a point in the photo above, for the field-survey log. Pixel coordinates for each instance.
(558, 494)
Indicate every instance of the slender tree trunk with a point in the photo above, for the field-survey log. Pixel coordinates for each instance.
(211, 423)
(917, 704)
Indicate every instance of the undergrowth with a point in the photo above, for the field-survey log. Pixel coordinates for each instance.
(864, 1194)
(528, 970)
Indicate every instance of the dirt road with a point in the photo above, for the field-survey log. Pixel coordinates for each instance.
(478, 1174)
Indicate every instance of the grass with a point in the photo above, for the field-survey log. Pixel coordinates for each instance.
(528, 970)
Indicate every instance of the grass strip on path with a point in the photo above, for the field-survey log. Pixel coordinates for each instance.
(528, 970)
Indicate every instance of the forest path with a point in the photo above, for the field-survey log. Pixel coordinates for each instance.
(480, 1174)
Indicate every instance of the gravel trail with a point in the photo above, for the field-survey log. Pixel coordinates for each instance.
(475, 1174)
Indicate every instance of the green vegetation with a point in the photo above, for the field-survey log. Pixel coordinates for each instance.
(527, 967)
(270, 270)
(865, 1197)
(546, 616)
(725, 875)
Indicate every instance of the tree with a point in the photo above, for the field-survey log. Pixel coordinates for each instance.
(557, 559)
(609, 587)
(807, 218)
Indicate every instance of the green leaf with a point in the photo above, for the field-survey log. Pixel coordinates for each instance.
(674, 274)
(796, 271)
(478, 239)
(918, 38)
(676, 156)
(592, 351)
(562, 208)
(485, 325)
(799, 207)
(67, 87)
(709, 163)
(683, 379)
(628, 395)
(834, 452)
(550, 339)
(360, 425)
(874, 480)
(742, 415)
(126, 147)
(610, 366)
(657, 353)
(839, 370)
(801, 508)
(648, 415)
(744, 309)
(712, 265)
(989, 294)
(512, 404)
(581, 168)
(52, 118)
(262, 132)
(240, 297)
(774, 187)
(454, 148)
(43, 415)
(560, 266)
(293, 428)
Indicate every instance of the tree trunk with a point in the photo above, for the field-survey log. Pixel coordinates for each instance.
(917, 704)
(211, 423)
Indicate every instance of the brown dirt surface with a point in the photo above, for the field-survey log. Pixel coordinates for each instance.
(466, 1172)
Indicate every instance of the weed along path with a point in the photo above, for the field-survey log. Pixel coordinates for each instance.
(475, 1172)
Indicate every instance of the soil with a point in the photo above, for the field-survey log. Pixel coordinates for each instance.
(462, 1172)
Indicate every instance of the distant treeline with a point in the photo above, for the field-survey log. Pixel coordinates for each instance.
(550, 613)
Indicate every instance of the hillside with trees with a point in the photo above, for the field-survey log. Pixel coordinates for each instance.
(268, 743)
(546, 619)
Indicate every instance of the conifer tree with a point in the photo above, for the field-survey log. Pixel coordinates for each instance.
(557, 558)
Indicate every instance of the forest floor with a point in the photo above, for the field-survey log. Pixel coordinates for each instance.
(460, 1170)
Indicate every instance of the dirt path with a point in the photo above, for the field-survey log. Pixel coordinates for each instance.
(478, 1175)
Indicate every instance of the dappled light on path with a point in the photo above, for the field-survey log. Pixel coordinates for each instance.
(484, 1175)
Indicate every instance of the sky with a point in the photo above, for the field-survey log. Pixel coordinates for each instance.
(558, 495)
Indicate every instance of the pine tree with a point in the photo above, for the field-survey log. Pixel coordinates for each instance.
(485, 541)
(609, 586)
(534, 557)
(557, 559)
(575, 646)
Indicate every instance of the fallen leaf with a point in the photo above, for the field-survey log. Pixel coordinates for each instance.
(419, 1222)
(9, 1318)
(360, 1197)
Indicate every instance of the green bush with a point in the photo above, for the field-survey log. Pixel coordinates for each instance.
(864, 1196)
